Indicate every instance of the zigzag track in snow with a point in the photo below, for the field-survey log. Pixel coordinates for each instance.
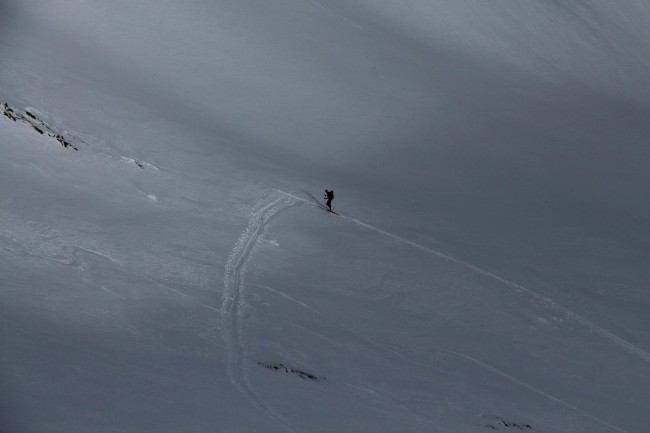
(544, 300)
(233, 301)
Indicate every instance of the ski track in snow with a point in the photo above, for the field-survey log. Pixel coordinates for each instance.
(233, 301)
(284, 295)
(544, 300)
(113, 293)
(71, 257)
(330, 11)
(535, 390)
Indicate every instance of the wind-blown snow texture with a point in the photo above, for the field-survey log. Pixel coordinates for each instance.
(488, 271)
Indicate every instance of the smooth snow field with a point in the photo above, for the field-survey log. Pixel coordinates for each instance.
(166, 264)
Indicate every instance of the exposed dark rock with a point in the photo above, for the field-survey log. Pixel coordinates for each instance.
(282, 368)
(8, 112)
(39, 126)
(501, 422)
(64, 142)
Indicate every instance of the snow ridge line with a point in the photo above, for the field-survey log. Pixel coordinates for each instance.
(233, 301)
(550, 303)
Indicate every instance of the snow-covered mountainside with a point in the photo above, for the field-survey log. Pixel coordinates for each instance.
(166, 263)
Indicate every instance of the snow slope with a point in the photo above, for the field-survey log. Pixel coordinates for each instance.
(488, 271)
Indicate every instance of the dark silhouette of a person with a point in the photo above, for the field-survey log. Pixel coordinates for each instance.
(329, 196)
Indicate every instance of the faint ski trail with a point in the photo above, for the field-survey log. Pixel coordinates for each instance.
(233, 301)
(380, 395)
(72, 256)
(113, 293)
(535, 390)
(548, 302)
(284, 295)
(347, 20)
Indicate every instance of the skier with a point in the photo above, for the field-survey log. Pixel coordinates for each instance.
(329, 196)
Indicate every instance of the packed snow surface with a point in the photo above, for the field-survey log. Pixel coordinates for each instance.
(166, 264)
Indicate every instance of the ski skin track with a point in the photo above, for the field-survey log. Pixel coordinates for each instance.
(548, 302)
(233, 302)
